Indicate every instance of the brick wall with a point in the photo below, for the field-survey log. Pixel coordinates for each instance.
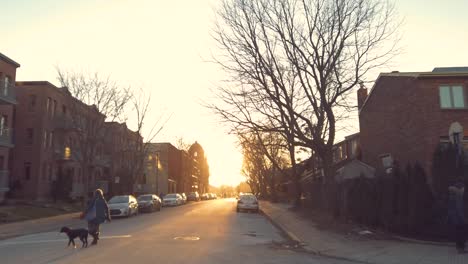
(402, 117)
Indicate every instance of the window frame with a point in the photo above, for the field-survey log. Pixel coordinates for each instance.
(29, 140)
(32, 102)
(27, 170)
(452, 98)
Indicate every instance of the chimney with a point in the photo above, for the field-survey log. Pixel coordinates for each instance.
(361, 95)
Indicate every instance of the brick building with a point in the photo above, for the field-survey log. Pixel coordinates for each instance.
(200, 169)
(51, 145)
(168, 169)
(123, 150)
(163, 169)
(7, 101)
(185, 184)
(406, 115)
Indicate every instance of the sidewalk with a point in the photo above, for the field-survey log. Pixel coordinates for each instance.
(330, 244)
(40, 225)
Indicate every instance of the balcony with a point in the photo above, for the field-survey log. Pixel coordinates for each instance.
(7, 93)
(64, 123)
(102, 161)
(6, 137)
(4, 186)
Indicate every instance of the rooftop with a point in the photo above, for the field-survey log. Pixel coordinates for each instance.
(8, 60)
(438, 72)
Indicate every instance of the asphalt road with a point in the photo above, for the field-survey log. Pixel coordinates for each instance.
(208, 232)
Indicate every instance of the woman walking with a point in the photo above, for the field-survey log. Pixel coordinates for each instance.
(96, 213)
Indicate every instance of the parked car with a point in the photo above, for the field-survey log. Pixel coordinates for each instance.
(123, 205)
(149, 203)
(172, 199)
(247, 202)
(205, 196)
(193, 196)
(184, 197)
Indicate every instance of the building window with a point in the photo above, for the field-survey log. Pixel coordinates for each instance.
(49, 104)
(64, 110)
(27, 171)
(54, 108)
(29, 136)
(387, 160)
(3, 124)
(67, 155)
(44, 171)
(32, 102)
(452, 97)
(45, 139)
(6, 86)
(51, 139)
(51, 170)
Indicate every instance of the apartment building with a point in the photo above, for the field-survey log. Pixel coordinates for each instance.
(7, 102)
(52, 131)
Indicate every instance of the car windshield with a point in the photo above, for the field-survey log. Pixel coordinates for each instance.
(248, 198)
(118, 199)
(173, 195)
(145, 198)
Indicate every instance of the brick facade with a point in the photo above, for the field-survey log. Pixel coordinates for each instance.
(49, 152)
(123, 150)
(7, 101)
(402, 117)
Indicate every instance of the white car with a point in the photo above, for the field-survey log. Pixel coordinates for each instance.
(247, 202)
(184, 198)
(173, 199)
(123, 205)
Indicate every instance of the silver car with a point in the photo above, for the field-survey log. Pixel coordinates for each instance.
(149, 203)
(247, 202)
(172, 199)
(123, 205)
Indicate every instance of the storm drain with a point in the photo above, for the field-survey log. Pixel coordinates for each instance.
(187, 238)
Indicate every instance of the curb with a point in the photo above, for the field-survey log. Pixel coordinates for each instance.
(291, 236)
(423, 242)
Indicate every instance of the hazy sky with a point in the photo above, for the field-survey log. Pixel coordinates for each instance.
(163, 47)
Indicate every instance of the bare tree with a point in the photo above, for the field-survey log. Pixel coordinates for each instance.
(263, 160)
(140, 107)
(294, 63)
(182, 144)
(96, 99)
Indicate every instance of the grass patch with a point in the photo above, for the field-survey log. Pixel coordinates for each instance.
(14, 213)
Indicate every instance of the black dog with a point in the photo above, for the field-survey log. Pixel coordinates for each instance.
(74, 233)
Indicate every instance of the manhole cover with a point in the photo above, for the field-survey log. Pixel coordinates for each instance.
(189, 238)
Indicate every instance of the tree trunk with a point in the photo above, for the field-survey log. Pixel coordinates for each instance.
(273, 196)
(329, 197)
(296, 178)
